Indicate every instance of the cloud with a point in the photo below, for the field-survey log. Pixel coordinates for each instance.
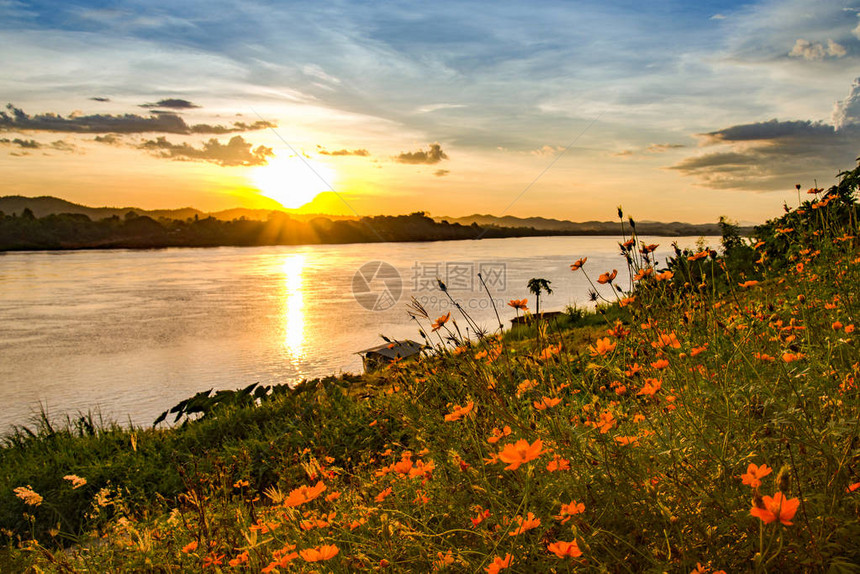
(847, 111)
(437, 107)
(99, 99)
(17, 120)
(718, 17)
(660, 148)
(441, 172)
(856, 31)
(547, 150)
(23, 144)
(815, 51)
(58, 145)
(237, 152)
(357, 152)
(171, 103)
(111, 139)
(777, 154)
(429, 157)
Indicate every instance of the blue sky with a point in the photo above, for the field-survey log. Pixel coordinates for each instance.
(645, 94)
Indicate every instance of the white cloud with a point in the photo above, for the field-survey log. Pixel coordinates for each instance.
(814, 51)
(847, 111)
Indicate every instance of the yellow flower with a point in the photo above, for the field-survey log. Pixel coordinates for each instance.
(28, 495)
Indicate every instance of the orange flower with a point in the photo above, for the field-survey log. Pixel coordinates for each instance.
(498, 434)
(755, 473)
(646, 249)
(602, 347)
(853, 487)
(383, 495)
(441, 321)
(240, 559)
(696, 350)
(564, 549)
(520, 452)
(699, 255)
(482, 516)
(764, 357)
(498, 564)
(526, 385)
(776, 508)
(650, 387)
(190, 547)
(304, 494)
(791, 357)
(625, 440)
(607, 277)
(546, 402)
(558, 463)
(635, 368)
(836, 326)
(569, 510)
(748, 284)
(666, 340)
(643, 273)
(660, 364)
(578, 263)
(626, 301)
(518, 303)
(525, 524)
(324, 552)
(459, 412)
(664, 276)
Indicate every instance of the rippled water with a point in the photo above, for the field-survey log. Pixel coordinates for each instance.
(132, 333)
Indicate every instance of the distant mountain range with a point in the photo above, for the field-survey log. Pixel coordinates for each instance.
(46, 205)
(562, 226)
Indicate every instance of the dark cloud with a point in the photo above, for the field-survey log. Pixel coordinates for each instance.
(100, 99)
(441, 172)
(358, 152)
(171, 103)
(236, 152)
(770, 131)
(65, 146)
(17, 120)
(429, 157)
(111, 139)
(23, 144)
(773, 155)
(58, 145)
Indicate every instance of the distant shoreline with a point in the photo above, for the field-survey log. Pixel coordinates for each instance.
(51, 224)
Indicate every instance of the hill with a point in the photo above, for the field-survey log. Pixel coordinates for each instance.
(671, 229)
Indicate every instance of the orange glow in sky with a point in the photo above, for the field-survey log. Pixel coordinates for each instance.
(293, 181)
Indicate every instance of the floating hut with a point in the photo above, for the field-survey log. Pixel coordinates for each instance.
(387, 353)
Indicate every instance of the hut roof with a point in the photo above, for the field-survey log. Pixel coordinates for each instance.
(395, 350)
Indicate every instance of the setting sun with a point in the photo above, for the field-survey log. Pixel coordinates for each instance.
(293, 181)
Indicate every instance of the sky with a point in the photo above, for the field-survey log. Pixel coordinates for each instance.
(677, 111)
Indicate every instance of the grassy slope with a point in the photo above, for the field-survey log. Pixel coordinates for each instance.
(762, 374)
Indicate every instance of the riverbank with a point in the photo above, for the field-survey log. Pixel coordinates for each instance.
(707, 419)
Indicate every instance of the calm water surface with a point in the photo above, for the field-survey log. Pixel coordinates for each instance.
(131, 333)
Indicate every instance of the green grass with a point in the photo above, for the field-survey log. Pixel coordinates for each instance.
(656, 411)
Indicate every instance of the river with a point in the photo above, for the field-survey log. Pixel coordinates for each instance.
(128, 334)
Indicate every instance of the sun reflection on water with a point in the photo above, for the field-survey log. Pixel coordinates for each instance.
(292, 313)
